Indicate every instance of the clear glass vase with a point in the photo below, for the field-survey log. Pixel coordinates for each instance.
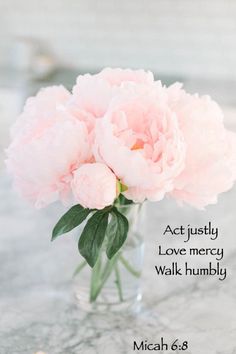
(114, 284)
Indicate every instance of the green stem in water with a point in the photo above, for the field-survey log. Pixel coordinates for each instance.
(79, 268)
(118, 282)
(99, 276)
(102, 279)
(95, 279)
(126, 264)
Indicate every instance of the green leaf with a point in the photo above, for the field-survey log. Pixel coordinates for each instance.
(93, 235)
(116, 233)
(121, 187)
(71, 219)
(122, 200)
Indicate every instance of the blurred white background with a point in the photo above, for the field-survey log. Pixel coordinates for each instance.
(173, 37)
(45, 42)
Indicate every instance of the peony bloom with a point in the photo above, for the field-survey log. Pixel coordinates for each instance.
(39, 111)
(92, 94)
(210, 166)
(94, 186)
(48, 145)
(154, 140)
(140, 140)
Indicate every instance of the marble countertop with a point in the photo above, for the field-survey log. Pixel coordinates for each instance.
(38, 311)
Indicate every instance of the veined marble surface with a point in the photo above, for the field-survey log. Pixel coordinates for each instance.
(38, 311)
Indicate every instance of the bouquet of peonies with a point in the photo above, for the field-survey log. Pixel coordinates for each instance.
(119, 138)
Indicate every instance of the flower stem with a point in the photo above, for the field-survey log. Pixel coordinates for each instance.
(79, 268)
(97, 284)
(118, 282)
(94, 283)
(127, 265)
(101, 274)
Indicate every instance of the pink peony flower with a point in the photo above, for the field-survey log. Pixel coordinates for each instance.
(155, 140)
(210, 166)
(48, 145)
(139, 139)
(94, 186)
(92, 94)
(117, 76)
(39, 111)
